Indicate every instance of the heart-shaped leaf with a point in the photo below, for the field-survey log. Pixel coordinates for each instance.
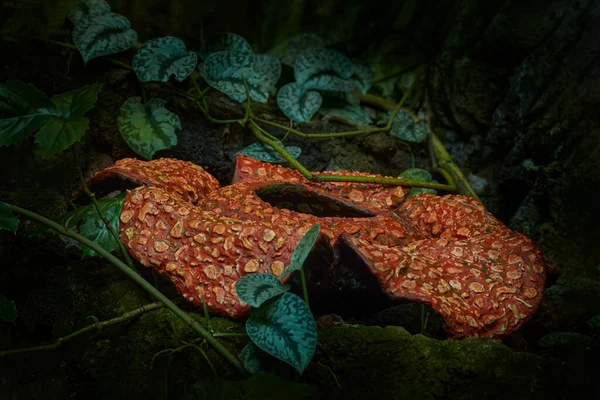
(23, 109)
(77, 102)
(100, 35)
(350, 114)
(8, 311)
(59, 133)
(364, 77)
(7, 220)
(266, 153)
(297, 103)
(405, 128)
(225, 42)
(226, 71)
(148, 127)
(301, 251)
(285, 328)
(319, 66)
(418, 174)
(94, 228)
(254, 359)
(255, 289)
(88, 8)
(160, 58)
(289, 52)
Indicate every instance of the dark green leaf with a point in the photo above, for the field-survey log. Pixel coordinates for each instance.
(317, 63)
(404, 128)
(302, 251)
(88, 8)
(225, 42)
(350, 114)
(7, 220)
(255, 360)
(255, 289)
(147, 128)
(266, 153)
(8, 311)
(227, 70)
(103, 34)
(23, 109)
(79, 101)
(161, 58)
(297, 103)
(418, 174)
(93, 228)
(60, 133)
(364, 77)
(290, 51)
(285, 328)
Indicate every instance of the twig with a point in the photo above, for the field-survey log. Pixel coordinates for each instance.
(192, 323)
(96, 326)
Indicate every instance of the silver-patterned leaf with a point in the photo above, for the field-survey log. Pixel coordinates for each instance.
(255, 289)
(266, 153)
(350, 114)
(289, 52)
(87, 8)
(100, 35)
(418, 174)
(364, 77)
(330, 82)
(285, 328)
(404, 128)
(161, 58)
(227, 70)
(148, 127)
(226, 42)
(297, 103)
(302, 251)
(316, 62)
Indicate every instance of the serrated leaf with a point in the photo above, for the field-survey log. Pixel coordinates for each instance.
(59, 133)
(7, 220)
(227, 70)
(101, 35)
(301, 251)
(266, 153)
(418, 174)
(93, 228)
(285, 328)
(8, 310)
(255, 289)
(147, 128)
(23, 109)
(405, 128)
(364, 77)
(298, 104)
(77, 102)
(320, 66)
(161, 58)
(88, 8)
(298, 45)
(351, 114)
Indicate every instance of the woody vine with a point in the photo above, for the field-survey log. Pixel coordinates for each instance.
(226, 64)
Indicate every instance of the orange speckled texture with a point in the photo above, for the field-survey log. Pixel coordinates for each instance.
(445, 251)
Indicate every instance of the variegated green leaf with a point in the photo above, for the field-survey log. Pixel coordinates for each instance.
(94, 228)
(227, 70)
(226, 42)
(285, 328)
(79, 101)
(148, 127)
(317, 64)
(100, 35)
(266, 153)
(289, 52)
(302, 251)
(255, 289)
(88, 8)
(406, 129)
(364, 77)
(418, 174)
(161, 58)
(297, 103)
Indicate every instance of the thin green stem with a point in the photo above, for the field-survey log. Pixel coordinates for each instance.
(96, 326)
(226, 335)
(192, 323)
(304, 288)
(258, 131)
(384, 181)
